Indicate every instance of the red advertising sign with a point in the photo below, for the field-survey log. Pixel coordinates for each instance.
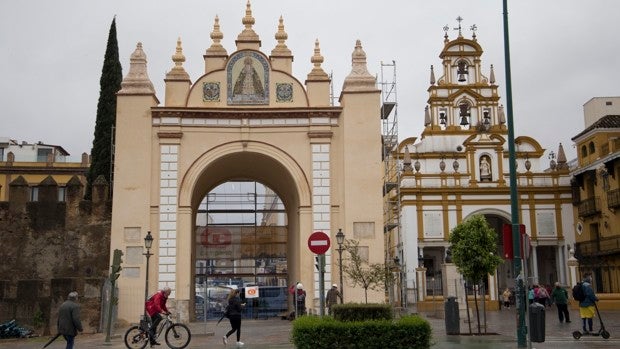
(318, 242)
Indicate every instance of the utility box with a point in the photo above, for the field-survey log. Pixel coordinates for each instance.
(453, 323)
(537, 322)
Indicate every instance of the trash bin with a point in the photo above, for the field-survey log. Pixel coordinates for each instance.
(453, 325)
(537, 322)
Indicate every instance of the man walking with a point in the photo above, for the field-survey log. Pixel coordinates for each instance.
(69, 319)
(332, 298)
(559, 296)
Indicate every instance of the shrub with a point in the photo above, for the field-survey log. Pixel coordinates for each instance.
(362, 312)
(316, 333)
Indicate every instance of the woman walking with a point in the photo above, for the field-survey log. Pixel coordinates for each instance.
(234, 316)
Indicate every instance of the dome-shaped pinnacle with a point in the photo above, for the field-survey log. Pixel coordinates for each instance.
(432, 76)
(248, 34)
(427, 116)
(359, 78)
(137, 80)
(492, 75)
(281, 49)
(317, 59)
(561, 158)
(178, 58)
(216, 36)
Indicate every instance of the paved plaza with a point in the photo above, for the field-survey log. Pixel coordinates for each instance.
(275, 333)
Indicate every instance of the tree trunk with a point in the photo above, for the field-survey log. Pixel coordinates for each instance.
(476, 303)
(366, 294)
(467, 309)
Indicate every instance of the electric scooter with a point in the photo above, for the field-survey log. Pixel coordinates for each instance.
(601, 332)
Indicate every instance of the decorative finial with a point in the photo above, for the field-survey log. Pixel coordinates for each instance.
(473, 29)
(178, 58)
(427, 116)
(137, 79)
(248, 34)
(446, 28)
(216, 35)
(492, 75)
(281, 49)
(407, 161)
(248, 20)
(502, 115)
(359, 79)
(562, 164)
(432, 76)
(459, 19)
(317, 59)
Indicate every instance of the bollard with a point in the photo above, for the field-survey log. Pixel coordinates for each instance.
(537, 322)
(453, 325)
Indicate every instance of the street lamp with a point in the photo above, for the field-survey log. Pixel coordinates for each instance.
(340, 240)
(148, 242)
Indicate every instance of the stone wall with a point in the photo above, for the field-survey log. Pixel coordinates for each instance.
(50, 248)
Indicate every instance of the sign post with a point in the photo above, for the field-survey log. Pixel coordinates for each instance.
(319, 243)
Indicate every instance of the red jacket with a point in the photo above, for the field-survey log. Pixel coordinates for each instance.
(156, 304)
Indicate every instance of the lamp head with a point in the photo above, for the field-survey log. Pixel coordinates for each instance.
(148, 240)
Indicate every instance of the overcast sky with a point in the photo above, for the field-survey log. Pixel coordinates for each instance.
(563, 52)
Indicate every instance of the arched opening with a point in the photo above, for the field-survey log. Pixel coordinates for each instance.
(245, 203)
(241, 240)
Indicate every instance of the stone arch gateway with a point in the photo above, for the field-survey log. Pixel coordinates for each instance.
(323, 161)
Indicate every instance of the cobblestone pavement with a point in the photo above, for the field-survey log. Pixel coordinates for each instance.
(275, 334)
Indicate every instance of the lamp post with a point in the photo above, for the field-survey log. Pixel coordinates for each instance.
(340, 240)
(514, 206)
(148, 242)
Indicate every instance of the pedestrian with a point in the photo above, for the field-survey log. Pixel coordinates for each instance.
(559, 296)
(234, 316)
(542, 295)
(530, 295)
(332, 298)
(155, 307)
(300, 297)
(506, 297)
(586, 306)
(69, 319)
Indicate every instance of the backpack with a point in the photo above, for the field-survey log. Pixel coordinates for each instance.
(578, 292)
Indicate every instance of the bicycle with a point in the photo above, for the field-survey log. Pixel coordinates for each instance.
(177, 335)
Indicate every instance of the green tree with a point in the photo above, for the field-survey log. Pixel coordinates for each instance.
(474, 251)
(360, 272)
(109, 85)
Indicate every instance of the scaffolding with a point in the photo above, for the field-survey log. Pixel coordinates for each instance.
(391, 179)
(389, 121)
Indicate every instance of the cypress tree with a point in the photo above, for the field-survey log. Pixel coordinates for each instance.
(110, 84)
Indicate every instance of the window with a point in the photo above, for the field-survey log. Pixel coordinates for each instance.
(591, 148)
(1, 154)
(34, 194)
(584, 151)
(42, 154)
(62, 194)
(609, 103)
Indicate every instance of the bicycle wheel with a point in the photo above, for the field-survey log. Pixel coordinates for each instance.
(135, 338)
(178, 336)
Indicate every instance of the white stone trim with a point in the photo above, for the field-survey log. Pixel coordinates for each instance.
(168, 198)
(321, 199)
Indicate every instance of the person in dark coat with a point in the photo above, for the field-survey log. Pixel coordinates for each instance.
(560, 298)
(234, 316)
(69, 319)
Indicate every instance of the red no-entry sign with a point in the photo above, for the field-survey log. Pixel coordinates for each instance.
(318, 242)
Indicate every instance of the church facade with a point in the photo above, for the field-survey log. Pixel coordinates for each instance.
(459, 168)
(246, 122)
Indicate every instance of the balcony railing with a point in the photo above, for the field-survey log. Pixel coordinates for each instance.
(613, 198)
(601, 247)
(589, 207)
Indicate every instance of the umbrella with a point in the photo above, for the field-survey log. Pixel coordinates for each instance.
(51, 340)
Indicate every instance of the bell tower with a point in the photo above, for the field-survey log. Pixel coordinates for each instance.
(463, 100)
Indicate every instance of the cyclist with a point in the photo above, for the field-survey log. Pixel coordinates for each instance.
(156, 307)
